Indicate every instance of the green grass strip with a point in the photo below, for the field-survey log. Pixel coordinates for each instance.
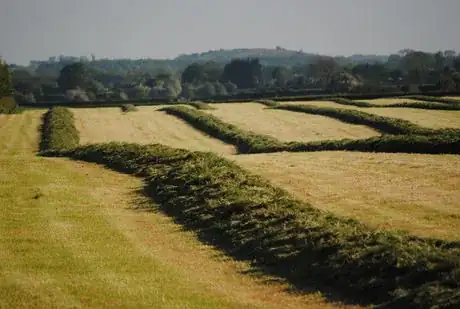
(246, 142)
(58, 130)
(251, 219)
(383, 124)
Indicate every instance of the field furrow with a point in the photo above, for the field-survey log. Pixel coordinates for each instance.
(145, 126)
(287, 126)
(416, 193)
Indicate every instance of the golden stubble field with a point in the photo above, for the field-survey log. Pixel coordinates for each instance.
(287, 126)
(145, 126)
(416, 193)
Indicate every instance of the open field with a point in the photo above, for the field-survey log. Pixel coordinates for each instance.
(435, 119)
(416, 193)
(145, 126)
(71, 238)
(285, 125)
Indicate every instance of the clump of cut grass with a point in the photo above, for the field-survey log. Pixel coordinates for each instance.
(385, 125)
(246, 142)
(200, 105)
(58, 130)
(251, 219)
(126, 108)
(269, 103)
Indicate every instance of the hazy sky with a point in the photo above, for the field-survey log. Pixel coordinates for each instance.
(38, 29)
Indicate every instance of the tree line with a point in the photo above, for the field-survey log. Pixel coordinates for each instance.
(84, 80)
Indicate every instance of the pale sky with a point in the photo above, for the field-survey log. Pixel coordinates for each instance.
(38, 29)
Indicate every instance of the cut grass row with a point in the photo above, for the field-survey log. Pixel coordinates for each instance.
(385, 125)
(421, 105)
(451, 102)
(250, 219)
(434, 141)
(246, 142)
(58, 130)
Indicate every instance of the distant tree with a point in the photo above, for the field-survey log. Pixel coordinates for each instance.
(220, 88)
(207, 90)
(74, 76)
(281, 76)
(457, 63)
(199, 73)
(6, 86)
(245, 73)
(324, 70)
(188, 91)
(230, 87)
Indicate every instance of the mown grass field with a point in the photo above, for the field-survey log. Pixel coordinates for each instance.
(147, 125)
(415, 193)
(285, 125)
(77, 235)
(435, 119)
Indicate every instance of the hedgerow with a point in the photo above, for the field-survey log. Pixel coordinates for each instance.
(250, 219)
(8, 106)
(58, 130)
(246, 142)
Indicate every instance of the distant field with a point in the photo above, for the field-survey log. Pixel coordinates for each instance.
(145, 126)
(416, 193)
(454, 98)
(287, 126)
(435, 119)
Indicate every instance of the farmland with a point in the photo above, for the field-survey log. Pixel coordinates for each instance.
(145, 126)
(132, 241)
(435, 119)
(287, 126)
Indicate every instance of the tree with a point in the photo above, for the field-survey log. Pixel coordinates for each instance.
(207, 90)
(6, 86)
(199, 73)
(74, 76)
(230, 87)
(245, 73)
(324, 70)
(188, 91)
(281, 76)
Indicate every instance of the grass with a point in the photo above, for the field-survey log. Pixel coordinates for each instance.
(76, 235)
(449, 101)
(384, 124)
(58, 130)
(288, 126)
(200, 105)
(385, 103)
(416, 193)
(126, 108)
(251, 219)
(146, 126)
(246, 142)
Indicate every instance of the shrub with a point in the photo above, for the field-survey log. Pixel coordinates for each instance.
(58, 130)
(8, 105)
(250, 219)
